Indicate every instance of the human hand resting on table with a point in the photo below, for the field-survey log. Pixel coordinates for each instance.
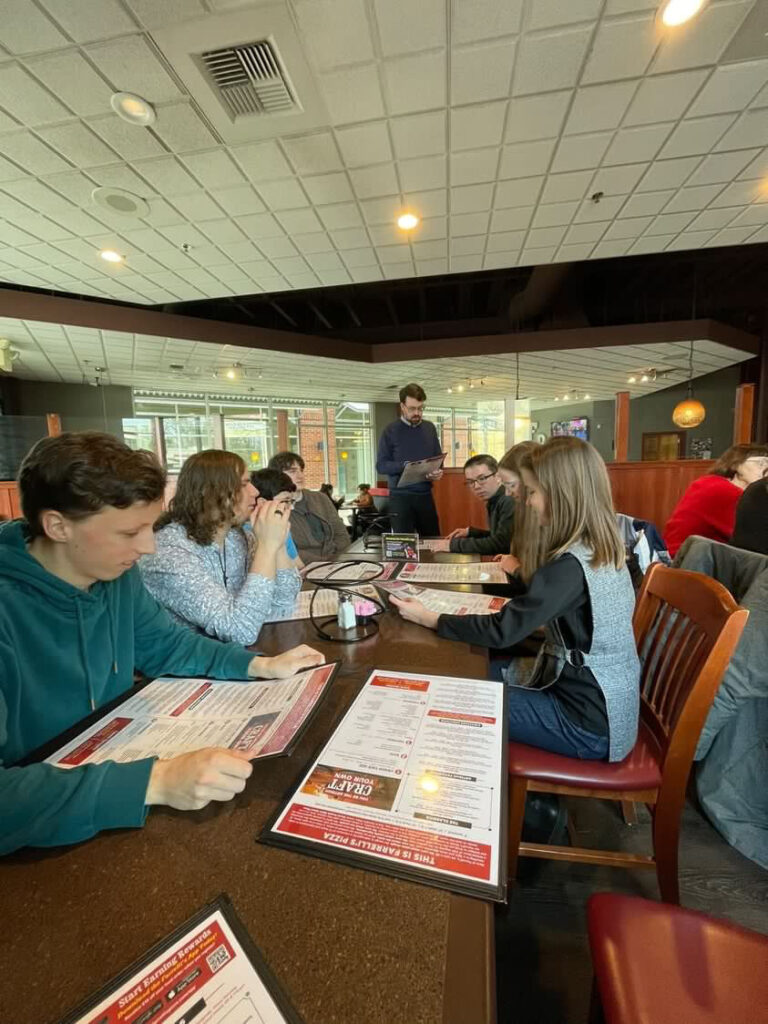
(460, 531)
(190, 781)
(508, 563)
(281, 666)
(414, 611)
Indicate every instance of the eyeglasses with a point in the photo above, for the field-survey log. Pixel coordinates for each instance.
(478, 480)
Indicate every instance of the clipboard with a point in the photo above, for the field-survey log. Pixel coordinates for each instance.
(417, 472)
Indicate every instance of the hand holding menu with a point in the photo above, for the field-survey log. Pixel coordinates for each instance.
(417, 472)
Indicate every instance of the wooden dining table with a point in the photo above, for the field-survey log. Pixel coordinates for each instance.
(349, 946)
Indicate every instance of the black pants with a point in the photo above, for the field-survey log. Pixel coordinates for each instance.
(414, 513)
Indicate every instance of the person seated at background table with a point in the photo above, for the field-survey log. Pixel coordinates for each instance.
(481, 475)
(327, 490)
(751, 529)
(583, 697)
(316, 527)
(272, 485)
(708, 507)
(204, 569)
(75, 621)
(364, 497)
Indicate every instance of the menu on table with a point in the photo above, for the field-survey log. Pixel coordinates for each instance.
(435, 544)
(174, 716)
(208, 971)
(446, 602)
(347, 572)
(453, 572)
(326, 603)
(411, 783)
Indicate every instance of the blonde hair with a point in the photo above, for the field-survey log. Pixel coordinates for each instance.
(511, 462)
(575, 483)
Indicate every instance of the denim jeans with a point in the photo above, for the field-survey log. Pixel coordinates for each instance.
(536, 718)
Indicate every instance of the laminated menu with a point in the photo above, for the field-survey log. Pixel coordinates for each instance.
(325, 603)
(208, 971)
(175, 716)
(452, 572)
(412, 783)
(446, 602)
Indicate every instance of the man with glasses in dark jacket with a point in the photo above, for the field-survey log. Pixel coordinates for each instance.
(481, 477)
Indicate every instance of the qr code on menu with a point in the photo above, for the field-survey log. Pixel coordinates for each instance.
(217, 958)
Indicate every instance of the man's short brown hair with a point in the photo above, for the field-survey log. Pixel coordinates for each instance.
(283, 461)
(413, 391)
(79, 474)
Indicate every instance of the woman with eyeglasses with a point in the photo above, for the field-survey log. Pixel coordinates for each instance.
(708, 507)
(207, 570)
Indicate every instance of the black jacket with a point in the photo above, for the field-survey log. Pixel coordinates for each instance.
(496, 541)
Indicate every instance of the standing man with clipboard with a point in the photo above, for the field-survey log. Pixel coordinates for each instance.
(411, 439)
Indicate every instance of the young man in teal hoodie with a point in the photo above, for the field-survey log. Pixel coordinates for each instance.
(75, 620)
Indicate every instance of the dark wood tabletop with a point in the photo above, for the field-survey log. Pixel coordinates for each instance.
(349, 946)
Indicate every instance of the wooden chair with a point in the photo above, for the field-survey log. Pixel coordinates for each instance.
(686, 628)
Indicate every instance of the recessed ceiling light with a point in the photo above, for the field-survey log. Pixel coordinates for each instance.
(111, 256)
(459, 387)
(677, 12)
(120, 201)
(407, 221)
(632, 379)
(133, 108)
(586, 398)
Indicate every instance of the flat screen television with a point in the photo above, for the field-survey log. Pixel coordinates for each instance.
(578, 427)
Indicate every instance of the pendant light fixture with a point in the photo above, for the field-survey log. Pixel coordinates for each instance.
(690, 412)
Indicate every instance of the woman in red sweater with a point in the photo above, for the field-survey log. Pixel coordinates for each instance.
(708, 507)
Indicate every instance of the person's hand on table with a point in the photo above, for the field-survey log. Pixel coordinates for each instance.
(460, 531)
(508, 563)
(436, 475)
(281, 666)
(441, 544)
(414, 611)
(190, 781)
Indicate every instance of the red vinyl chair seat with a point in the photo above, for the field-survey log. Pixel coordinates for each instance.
(639, 770)
(660, 964)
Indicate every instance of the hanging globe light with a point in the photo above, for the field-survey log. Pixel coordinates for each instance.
(690, 412)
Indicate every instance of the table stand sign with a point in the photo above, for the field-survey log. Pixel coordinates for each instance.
(403, 547)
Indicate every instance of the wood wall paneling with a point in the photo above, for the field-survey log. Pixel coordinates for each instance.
(456, 505)
(621, 427)
(650, 490)
(9, 500)
(743, 414)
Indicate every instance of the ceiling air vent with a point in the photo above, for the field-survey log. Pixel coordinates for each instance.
(250, 79)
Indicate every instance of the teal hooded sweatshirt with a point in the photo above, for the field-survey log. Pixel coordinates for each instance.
(63, 653)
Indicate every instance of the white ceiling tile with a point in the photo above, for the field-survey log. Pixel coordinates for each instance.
(130, 65)
(534, 257)
(27, 101)
(599, 107)
(214, 169)
(419, 134)
(550, 61)
(690, 240)
(647, 204)
(415, 83)
(569, 253)
(394, 253)
(370, 182)
(362, 274)
(606, 209)
(78, 144)
(432, 203)
(732, 236)
(181, 129)
(364, 257)
(26, 29)
(722, 167)
(89, 20)
(424, 173)
(554, 214)
(696, 137)
(577, 152)
(740, 193)
(483, 72)
(515, 219)
(668, 173)
(691, 198)
(622, 49)
(298, 222)
(731, 88)
(618, 180)
(283, 195)
(73, 81)
(632, 145)
(353, 94)
(272, 247)
(704, 39)
(340, 215)
(629, 227)
(755, 214)
(431, 228)
(473, 20)
(405, 27)
(350, 238)
(290, 265)
(670, 223)
(313, 154)
(500, 260)
(381, 211)
(260, 225)
(364, 144)
(428, 268)
(167, 176)
(550, 13)
(471, 198)
(610, 249)
(222, 231)
(387, 234)
(712, 219)
(474, 166)
(149, 240)
(538, 237)
(328, 188)
(469, 245)
(664, 97)
(130, 141)
(315, 241)
(32, 154)
(536, 117)
(651, 243)
(506, 241)
(262, 161)
(562, 187)
(73, 185)
(170, 12)
(334, 31)
(238, 201)
(468, 223)
(525, 159)
(518, 192)
(463, 264)
(476, 127)
(751, 129)
(430, 250)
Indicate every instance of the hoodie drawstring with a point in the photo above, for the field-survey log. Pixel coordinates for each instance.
(84, 654)
(112, 631)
